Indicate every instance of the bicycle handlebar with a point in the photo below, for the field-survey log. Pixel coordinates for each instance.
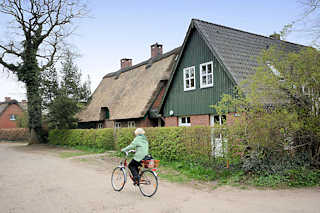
(127, 153)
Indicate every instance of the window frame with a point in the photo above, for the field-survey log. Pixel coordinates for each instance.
(206, 74)
(186, 121)
(13, 117)
(117, 125)
(184, 78)
(130, 124)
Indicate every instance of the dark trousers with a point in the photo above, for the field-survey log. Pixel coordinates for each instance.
(133, 166)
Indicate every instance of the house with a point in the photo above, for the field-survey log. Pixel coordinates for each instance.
(131, 96)
(212, 61)
(10, 110)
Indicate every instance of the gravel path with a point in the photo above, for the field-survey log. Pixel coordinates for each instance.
(35, 179)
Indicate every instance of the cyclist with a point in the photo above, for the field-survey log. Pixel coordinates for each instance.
(141, 145)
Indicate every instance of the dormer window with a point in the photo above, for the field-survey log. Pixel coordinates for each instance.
(105, 113)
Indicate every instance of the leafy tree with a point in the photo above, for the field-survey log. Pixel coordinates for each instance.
(22, 120)
(40, 27)
(67, 98)
(49, 86)
(279, 105)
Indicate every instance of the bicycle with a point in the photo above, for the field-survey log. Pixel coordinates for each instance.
(148, 183)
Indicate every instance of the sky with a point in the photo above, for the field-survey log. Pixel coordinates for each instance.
(126, 29)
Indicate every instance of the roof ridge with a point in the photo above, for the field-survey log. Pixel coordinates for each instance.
(152, 60)
(242, 31)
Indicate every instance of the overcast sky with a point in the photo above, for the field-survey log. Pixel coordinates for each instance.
(126, 29)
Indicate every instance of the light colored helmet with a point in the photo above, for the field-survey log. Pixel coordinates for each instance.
(139, 131)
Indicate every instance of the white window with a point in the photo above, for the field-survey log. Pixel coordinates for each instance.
(184, 121)
(131, 124)
(100, 125)
(189, 81)
(12, 117)
(206, 75)
(117, 125)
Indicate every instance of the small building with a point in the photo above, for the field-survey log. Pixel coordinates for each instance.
(131, 96)
(10, 110)
(212, 61)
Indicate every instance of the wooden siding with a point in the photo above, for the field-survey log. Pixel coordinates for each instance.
(196, 101)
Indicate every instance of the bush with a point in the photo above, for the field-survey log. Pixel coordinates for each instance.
(16, 134)
(101, 139)
(188, 144)
(191, 145)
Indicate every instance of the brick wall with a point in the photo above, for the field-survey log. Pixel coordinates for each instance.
(108, 124)
(5, 121)
(171, 121)
(146, 123)
(200, 120)
(138, 122)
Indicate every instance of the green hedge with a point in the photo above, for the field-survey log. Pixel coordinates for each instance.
(15, 134)
(190, 144)
(91, 138)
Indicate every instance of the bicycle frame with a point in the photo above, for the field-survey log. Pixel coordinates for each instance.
(146, 181)
(124, 164)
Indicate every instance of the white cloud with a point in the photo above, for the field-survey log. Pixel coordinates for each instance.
(10, 87)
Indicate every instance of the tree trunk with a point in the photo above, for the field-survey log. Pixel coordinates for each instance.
(34, 109)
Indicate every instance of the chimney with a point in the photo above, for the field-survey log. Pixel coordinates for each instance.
(125, 62)
(156, 49)
(7, 99)
(275, 36)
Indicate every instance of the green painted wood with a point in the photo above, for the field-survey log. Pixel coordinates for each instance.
(198, 101)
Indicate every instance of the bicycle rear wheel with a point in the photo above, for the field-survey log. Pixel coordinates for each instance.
(118, 179)
(148, 184)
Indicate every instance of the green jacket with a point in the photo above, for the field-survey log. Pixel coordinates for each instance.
(141, 145)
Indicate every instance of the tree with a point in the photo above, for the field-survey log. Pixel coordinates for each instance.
(281, 104)
(308, 22)
(67, 98)
(40, 27)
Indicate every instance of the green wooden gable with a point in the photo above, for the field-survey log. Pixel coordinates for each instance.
(234, 55)
(198, 100)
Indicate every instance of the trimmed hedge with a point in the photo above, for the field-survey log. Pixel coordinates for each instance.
(92, 138)
(189, 144)
(15, 134)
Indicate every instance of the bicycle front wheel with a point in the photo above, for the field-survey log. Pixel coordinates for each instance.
(148, 183)
(118, 179)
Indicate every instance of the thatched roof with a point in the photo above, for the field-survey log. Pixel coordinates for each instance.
(130, 92)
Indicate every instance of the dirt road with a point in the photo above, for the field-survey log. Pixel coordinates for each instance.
(35, 179)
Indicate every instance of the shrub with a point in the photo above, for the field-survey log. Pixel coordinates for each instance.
(189, 144)
(101, 139)
(16, 134)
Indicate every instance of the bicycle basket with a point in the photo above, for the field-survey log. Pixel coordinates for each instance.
(151, 163)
